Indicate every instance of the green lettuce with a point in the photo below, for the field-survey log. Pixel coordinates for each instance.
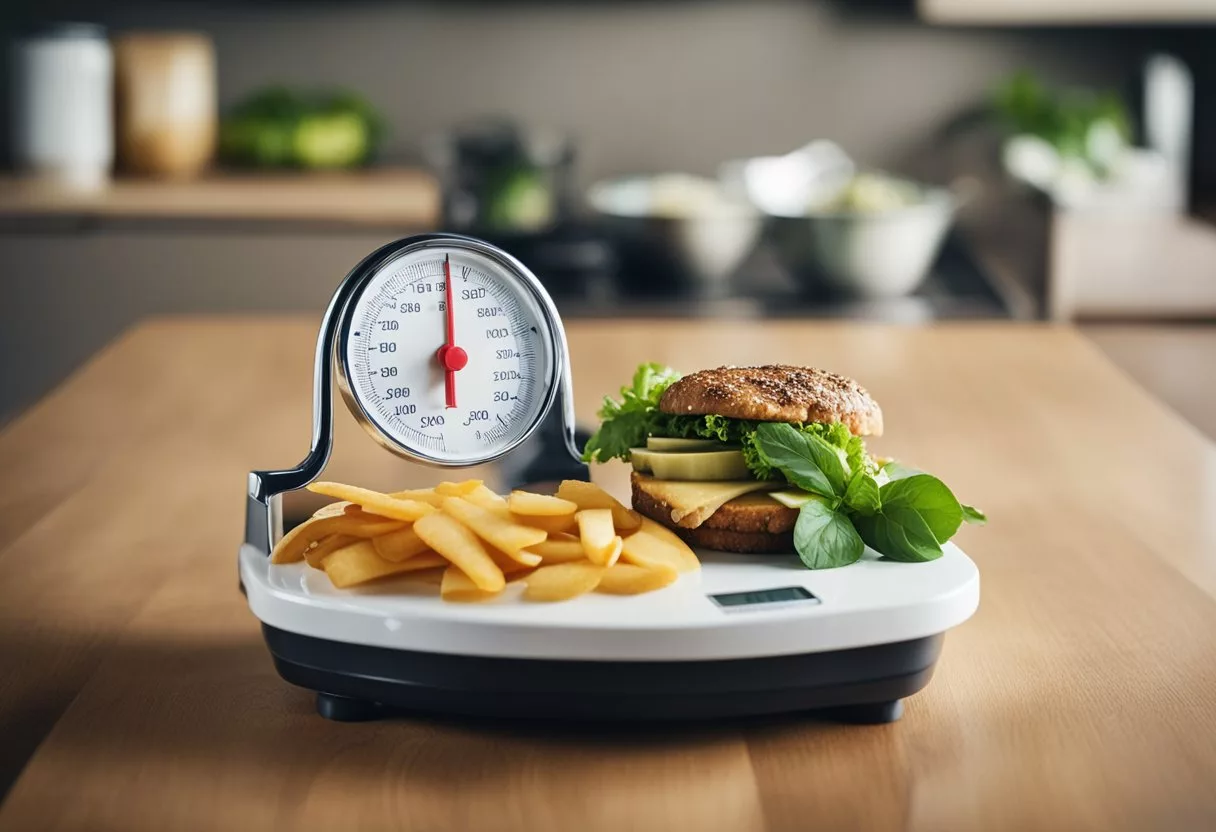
(626, 423)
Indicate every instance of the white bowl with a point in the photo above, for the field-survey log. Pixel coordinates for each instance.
(881, 254)
(699, 244)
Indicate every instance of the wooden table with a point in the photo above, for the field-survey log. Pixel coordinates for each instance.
(135, 692)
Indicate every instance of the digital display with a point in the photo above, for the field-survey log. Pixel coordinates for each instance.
(779, 595)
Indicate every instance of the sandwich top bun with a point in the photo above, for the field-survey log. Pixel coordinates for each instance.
(775, 393)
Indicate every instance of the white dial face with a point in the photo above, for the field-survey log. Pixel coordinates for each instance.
(405, 355)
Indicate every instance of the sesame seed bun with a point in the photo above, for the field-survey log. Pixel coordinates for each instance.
(775, 393)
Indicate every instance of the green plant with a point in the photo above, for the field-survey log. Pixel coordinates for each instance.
(1065, 119)
(279, 127)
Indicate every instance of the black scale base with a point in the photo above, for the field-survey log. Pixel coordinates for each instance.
(355, 682)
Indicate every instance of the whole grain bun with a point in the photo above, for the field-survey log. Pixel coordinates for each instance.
(775, 393)
(743, 543)
(753, 523)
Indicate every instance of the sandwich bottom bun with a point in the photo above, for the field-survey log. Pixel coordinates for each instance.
(751, 524)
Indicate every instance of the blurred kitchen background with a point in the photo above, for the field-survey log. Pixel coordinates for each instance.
(894, 160)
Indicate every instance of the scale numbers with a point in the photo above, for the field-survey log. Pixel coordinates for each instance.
(486, 393)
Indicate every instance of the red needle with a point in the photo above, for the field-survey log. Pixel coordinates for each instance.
(451, 357)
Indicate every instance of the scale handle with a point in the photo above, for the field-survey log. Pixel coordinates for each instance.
(264, 507)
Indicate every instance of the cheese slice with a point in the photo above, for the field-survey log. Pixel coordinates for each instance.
(693, 502)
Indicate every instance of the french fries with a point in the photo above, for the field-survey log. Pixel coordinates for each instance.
(459, 587)
(687, 556)
(400, 545)
(373, 501)
(315, 556)
(643, 548)
(457, 489)
(297, 541)
(461, 547)
(358, 563)
(588, 495)
(559, 551)
(421, 495)
(539, 505)
(562, 581)
(495, 529)
(600, 542)
(558, 547)
(628, 579)
(487, 499)
(556, 524)
(509, 565)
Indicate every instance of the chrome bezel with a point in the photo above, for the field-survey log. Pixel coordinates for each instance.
(552, 361)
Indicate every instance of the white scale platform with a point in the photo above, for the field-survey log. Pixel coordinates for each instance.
(867, 603)
(861, 638)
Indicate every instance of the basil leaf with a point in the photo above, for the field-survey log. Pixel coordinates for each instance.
(831, 460)
(806, 461)
(971, 514)
(899, 534)
(862, 495)
(899, 471)
(825, 538)
(929, 498)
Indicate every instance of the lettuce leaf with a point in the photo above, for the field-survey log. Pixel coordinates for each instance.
(626, 423)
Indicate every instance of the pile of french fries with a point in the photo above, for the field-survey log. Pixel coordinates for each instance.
(579, 541)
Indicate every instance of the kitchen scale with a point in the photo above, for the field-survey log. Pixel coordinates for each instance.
(450, 353)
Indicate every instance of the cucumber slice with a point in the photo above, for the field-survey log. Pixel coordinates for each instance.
(640, 457)
(668, 443)
(698, 466)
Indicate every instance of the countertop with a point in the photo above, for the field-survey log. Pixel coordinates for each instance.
(379, 197)
(136, 692)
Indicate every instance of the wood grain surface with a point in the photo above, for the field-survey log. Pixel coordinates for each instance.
(393, 197)
(1173, 363)
(135, 692)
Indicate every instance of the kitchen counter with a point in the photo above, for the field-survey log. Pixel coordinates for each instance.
(957, 287)
(137, 693)
(380, 197)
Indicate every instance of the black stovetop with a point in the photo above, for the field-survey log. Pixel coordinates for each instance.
(956, 288)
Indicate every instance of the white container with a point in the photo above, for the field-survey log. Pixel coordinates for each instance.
(694, 232)
(875, 255)
(63, 122)
(166, 98)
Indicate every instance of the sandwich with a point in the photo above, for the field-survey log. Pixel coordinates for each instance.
(771, 459)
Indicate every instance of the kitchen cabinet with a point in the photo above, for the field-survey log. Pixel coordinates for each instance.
(81, 267)
(1022, 12)
(68, 291)
(1131, 267)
